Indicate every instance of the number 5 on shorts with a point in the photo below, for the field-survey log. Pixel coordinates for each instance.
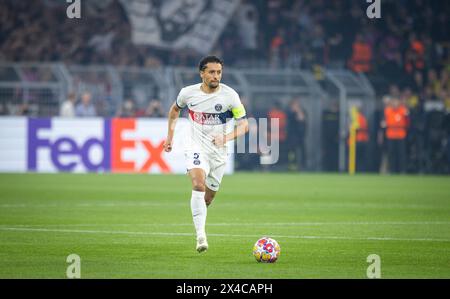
(196, 160)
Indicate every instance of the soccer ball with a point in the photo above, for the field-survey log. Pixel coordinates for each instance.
(266, 250)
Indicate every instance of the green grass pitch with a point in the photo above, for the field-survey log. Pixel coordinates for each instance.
(140, 226)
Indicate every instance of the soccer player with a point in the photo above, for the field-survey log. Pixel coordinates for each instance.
(211, 105)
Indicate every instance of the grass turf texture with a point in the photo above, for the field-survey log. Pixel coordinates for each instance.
(140, 226)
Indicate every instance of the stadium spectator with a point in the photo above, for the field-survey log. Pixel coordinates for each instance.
(418, 83)
(391, 55)
(279, 136)
(154, 109)
(4, 109)
(362, 142)
(433, 82)
(27, 109)
(85, 108)
(396, 119)
(361, 60)
(414, 138)
(103, 106)
(330, 136)
(67, 108)
(296, 133)
(379, 132)
(318, 44)
(276, 44)
(415, 55)
(127, 109)
(435, 134)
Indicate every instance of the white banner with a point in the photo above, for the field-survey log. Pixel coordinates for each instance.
(91, 145)
(179, 24)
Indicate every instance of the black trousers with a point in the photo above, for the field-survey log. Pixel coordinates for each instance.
(361, 156)
(397, 155)
(298, 151)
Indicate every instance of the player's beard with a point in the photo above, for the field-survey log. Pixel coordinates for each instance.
(213, 85)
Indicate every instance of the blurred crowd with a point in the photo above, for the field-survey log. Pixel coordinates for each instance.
(411, 35)
(84, 106)
(405, 134)
(40, 31)
(413, 127)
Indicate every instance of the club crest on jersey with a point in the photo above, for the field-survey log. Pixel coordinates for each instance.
(218, 107)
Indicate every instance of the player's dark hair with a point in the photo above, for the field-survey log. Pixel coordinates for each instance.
(208, 59)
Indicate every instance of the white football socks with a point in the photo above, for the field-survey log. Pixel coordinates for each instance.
(198, 208)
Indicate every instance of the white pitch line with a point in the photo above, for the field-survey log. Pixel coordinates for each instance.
(183, 204)
(89, 205)
(92, 231)
(239, 224)
(221, 235)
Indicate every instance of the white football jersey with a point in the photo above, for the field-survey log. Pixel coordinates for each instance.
(210, 114)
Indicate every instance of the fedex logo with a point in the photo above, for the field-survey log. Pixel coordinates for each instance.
(67, 148)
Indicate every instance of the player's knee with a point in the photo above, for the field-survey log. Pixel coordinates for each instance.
(198, 185)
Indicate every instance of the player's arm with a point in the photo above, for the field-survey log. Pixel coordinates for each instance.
(240, 129)
(174, 113)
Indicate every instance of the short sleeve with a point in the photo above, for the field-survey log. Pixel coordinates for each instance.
(181, 99)
(237, 109)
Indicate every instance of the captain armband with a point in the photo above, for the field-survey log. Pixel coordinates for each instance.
(238, 112)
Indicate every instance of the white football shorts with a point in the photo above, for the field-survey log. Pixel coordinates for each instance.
(214, 168)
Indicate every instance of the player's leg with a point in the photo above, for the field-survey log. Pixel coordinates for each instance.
(213, 180)
(198, 206)
(209, 196)
(198, 177)
(198, 168)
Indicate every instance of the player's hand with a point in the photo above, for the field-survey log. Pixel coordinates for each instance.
(219, 140)
(167, 145)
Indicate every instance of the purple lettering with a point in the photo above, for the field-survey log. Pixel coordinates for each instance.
(85, 155)
(58, 151)
(66, 146)
(34, 142)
